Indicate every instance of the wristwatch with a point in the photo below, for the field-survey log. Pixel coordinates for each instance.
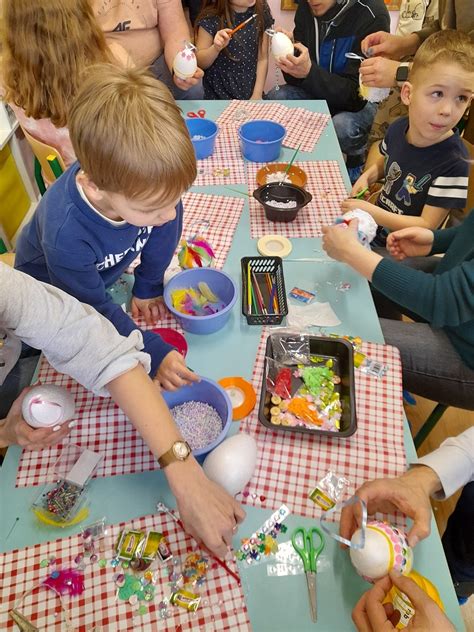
(402, 72)
(179, 451)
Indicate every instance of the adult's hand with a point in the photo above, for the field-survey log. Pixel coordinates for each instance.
(378, 72)
(298, 67)
(207, 511)
(15, 431)
(410, 494)
(340, 241)
(390, 46)
(410, 242)
(186, 84)
(372, 615)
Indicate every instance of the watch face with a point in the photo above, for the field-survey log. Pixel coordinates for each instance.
(181, 449)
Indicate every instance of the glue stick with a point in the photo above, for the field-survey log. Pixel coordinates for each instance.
(404, 606)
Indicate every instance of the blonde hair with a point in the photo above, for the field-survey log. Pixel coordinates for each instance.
(129, 136)
(46, 46)
(448, 47)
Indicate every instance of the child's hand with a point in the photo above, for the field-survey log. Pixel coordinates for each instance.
(361, 183)
(152, 309)
(221, 39)
(410, 242)
(173, 372)
(350, 204)
(15, 431)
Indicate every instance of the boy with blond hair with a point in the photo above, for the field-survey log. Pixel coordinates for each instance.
(122, 199)
(422, 159)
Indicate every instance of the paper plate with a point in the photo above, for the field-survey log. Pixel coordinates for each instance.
(241, 394)
(174, 338)
(296, 174)
(274, 246)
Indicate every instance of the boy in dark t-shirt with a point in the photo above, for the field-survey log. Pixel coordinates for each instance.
(424, 162)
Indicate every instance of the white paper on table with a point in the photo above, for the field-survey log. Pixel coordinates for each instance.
(312, 315)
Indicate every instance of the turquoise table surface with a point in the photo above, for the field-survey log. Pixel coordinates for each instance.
(274, 603)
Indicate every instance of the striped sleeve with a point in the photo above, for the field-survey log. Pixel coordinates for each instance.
(448, 191)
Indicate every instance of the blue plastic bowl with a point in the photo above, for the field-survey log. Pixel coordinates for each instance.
(204, 147)
(211, 393)
(220, 283)
(260, 141)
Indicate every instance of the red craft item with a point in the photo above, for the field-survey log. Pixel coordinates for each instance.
(174, 338)
(283, 383)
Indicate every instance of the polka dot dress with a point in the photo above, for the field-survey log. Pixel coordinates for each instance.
(233, 74)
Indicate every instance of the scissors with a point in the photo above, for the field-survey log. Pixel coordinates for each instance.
(309, 553)
(198, 114)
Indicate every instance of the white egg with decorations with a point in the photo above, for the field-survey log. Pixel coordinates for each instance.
(47, 405)
(232, 463)
(386, 548)
(281, 45)
(185, 62)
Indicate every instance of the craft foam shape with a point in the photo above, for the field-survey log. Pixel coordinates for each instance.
(386, 548)
(47, 405)
(281, 45)
(232, 463)
(185, 62)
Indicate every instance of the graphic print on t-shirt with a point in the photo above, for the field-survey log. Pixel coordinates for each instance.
(411, 187)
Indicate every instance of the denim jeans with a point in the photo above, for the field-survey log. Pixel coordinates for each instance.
(352, 128)
(458, 543)
(161, 71)
(431, 365)
(19, 377)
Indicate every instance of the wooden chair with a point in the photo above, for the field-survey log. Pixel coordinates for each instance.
(48, 162)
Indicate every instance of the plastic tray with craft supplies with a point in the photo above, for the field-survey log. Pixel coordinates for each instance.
(330, 413)
(263, 290)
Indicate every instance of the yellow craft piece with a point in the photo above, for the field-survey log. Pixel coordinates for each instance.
(301, 408)
(44, 516)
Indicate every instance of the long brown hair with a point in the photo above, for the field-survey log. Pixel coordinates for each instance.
(223, 10)
(46, 46)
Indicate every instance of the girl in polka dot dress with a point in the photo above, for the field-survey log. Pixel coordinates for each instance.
(235, 67)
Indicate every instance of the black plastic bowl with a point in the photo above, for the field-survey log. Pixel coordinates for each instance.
(274, 191)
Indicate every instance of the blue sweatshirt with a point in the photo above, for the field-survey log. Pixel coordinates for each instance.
(73, 247)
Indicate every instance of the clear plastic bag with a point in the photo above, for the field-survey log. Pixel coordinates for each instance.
(290, 348)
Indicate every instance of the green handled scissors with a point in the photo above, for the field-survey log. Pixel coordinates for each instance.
(309, 553)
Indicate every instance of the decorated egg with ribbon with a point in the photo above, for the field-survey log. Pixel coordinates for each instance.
(195, 252)
(185, 62)
(385, 548)
(281, 45)
(47, 405)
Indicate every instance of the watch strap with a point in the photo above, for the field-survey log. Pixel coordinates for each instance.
(170, 455)
(402, 72)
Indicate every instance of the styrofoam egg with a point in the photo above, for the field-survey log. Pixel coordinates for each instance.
(232, 463)
(386, 548)
(185, 63)
(47, 405)
(282, 45)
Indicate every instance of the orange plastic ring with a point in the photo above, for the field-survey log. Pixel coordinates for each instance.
(241, 395)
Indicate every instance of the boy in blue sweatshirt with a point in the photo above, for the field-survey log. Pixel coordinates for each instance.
(122, 199)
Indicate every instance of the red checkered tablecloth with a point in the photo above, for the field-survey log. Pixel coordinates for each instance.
(102, 427)
(327, 187)
(303, 127)
(97, 609)
(289, 465)
(227, 155)
(222, 213)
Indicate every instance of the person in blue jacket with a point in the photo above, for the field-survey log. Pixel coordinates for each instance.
(325, 30)
(122, 200)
